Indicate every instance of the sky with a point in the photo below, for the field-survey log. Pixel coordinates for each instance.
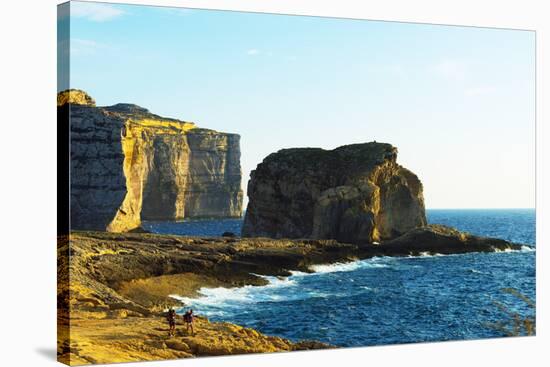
(457, 102)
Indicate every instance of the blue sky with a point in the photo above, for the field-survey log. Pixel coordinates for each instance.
(458, 102)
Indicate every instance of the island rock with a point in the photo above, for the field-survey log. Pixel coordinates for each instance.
(355, 194)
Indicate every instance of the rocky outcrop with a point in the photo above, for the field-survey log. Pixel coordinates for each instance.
(114, 288)
(137, 339)
(138, 271)
(440, 239)
(355, 193)
(128, 165)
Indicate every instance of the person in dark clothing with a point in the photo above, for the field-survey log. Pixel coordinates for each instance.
(171, 318)
(188, 318)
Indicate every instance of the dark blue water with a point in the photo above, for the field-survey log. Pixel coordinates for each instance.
(198, 227)
(387, 300)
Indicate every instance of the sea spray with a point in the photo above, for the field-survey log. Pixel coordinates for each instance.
(349, 266)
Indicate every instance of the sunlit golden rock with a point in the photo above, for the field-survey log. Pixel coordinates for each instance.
(74, 96)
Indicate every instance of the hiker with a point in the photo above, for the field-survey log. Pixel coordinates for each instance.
(188, 318)
(171, 317)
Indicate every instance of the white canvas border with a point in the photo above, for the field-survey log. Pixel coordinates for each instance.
(28, 188)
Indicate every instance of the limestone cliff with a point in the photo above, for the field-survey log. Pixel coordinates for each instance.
(128, 165)
(355, 193)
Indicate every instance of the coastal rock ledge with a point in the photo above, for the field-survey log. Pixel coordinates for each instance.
(113, 287)
(353, 194)
(128, 164)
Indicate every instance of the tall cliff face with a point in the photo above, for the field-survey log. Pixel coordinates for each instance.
(355, 193)
(128, 165)
(214, 179)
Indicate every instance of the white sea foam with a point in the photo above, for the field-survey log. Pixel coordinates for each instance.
(429, 254)
(245, 294)
(424, 254)
(475, 271)
(217, 301)
(524, 248)
(336, 267)
(349, 266)
(505, 250)
(296, 273)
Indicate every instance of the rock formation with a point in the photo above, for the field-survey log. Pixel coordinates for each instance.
(128, 165)
(355, 193)
(440, 239)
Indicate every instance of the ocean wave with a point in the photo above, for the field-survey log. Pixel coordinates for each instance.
(275, 281)
(475, 271)
(429, 254)
(505, 250)
(220, 301)
(524, 248)
(296, 273)
(348, 266)
(336, 267)
(246, 294)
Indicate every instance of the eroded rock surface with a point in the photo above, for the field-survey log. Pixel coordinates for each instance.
(128, 165)
(355, 193)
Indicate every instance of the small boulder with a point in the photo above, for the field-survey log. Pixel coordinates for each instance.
(177, 345)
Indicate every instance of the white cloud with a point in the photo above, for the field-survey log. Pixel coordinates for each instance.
(253, 52)
(450, 69)
(95, 12)
(478, 91)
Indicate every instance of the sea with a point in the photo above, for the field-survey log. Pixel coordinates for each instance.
(386, 300)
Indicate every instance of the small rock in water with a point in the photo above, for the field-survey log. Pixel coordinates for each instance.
(228, 234)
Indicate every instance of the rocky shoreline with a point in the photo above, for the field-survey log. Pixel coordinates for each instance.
(120, 285)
